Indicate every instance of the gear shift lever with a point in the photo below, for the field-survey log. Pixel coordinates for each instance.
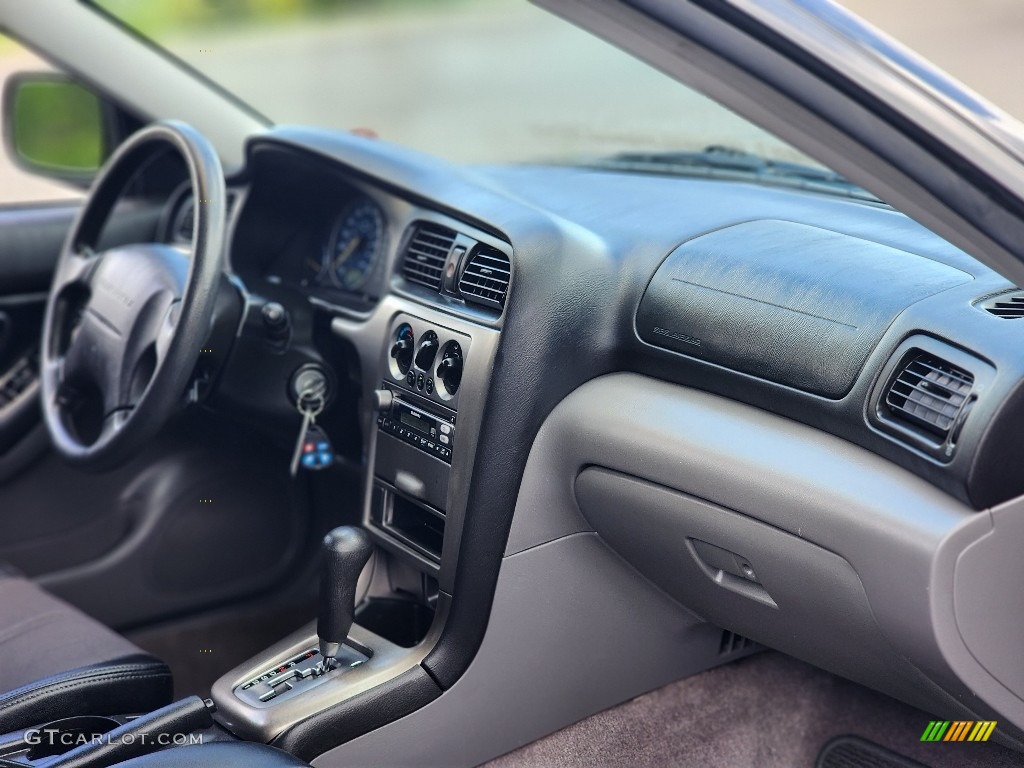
(346, 550)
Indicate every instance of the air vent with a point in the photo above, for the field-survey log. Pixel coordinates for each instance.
(929, 393)
(426, 254)
(486, 277)
(1008, 306)
(732, 643)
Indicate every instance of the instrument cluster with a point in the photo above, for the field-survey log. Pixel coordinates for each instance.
(354, 248)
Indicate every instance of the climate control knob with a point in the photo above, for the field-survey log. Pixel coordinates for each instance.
(427, 351)
(402, 349)
(449, 370)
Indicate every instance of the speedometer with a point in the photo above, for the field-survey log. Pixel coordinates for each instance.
(357, 241)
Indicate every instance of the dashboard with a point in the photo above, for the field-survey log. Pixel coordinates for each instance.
(344, 262)
(709, 293)
(558, 320)
(334, 238)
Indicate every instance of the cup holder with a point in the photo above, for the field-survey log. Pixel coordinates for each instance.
(60, 736)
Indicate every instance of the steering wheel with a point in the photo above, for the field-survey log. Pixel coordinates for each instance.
(124, 327)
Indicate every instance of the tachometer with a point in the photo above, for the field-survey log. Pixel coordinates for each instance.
(357, 241)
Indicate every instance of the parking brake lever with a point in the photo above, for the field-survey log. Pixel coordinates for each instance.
(346, 551)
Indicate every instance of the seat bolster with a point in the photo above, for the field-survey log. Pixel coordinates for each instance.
(222, 754)
(127, 685)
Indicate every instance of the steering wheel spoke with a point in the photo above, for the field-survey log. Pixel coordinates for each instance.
(166, 332)
(113, 424)
(76, 268)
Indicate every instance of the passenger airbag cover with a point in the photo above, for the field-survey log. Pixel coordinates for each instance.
(793, 304)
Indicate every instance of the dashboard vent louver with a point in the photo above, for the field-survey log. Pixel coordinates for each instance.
(929, 392)
(426, 255)
(1008, 306)
(486, 277)
(732, 643)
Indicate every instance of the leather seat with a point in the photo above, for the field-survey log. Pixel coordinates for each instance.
(57, 662)
(223, 754)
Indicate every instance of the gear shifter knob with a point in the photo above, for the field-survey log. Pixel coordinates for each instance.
(346, 550)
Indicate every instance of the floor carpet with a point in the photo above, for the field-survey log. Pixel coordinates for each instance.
(765, 711)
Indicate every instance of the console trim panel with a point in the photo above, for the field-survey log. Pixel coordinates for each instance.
(266, 720)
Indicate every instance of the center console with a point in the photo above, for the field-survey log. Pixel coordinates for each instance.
(417, 425)
(425, 396)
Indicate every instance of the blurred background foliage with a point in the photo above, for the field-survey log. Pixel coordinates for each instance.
(161, 18)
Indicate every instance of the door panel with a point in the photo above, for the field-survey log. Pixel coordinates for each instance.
(30, 239)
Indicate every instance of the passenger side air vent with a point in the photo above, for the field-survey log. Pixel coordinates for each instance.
(486, 277)
(1008, 306)
(426, 254)
(929, 393)
(731, 643)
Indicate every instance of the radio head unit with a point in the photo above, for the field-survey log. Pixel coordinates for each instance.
(409, 420)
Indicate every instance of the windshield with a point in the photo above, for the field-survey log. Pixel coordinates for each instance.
(478, 81)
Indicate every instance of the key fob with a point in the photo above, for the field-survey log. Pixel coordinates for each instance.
(317, 451)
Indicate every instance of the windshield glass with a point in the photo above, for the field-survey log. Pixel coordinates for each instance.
(481, 81)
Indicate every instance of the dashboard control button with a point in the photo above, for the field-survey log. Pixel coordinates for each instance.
(430, 386)
(446, 429)
(445, 439)
(410, 379)
(420, 381)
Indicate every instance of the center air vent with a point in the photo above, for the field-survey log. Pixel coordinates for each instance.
(1008, 306)
(928, 393)
(426, 254)
(486, 277)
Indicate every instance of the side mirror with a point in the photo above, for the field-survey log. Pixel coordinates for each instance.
(54, 127)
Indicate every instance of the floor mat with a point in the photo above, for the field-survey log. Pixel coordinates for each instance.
(766, 711)
(854, 752)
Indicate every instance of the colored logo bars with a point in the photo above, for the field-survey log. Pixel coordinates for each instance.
(958, 730)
